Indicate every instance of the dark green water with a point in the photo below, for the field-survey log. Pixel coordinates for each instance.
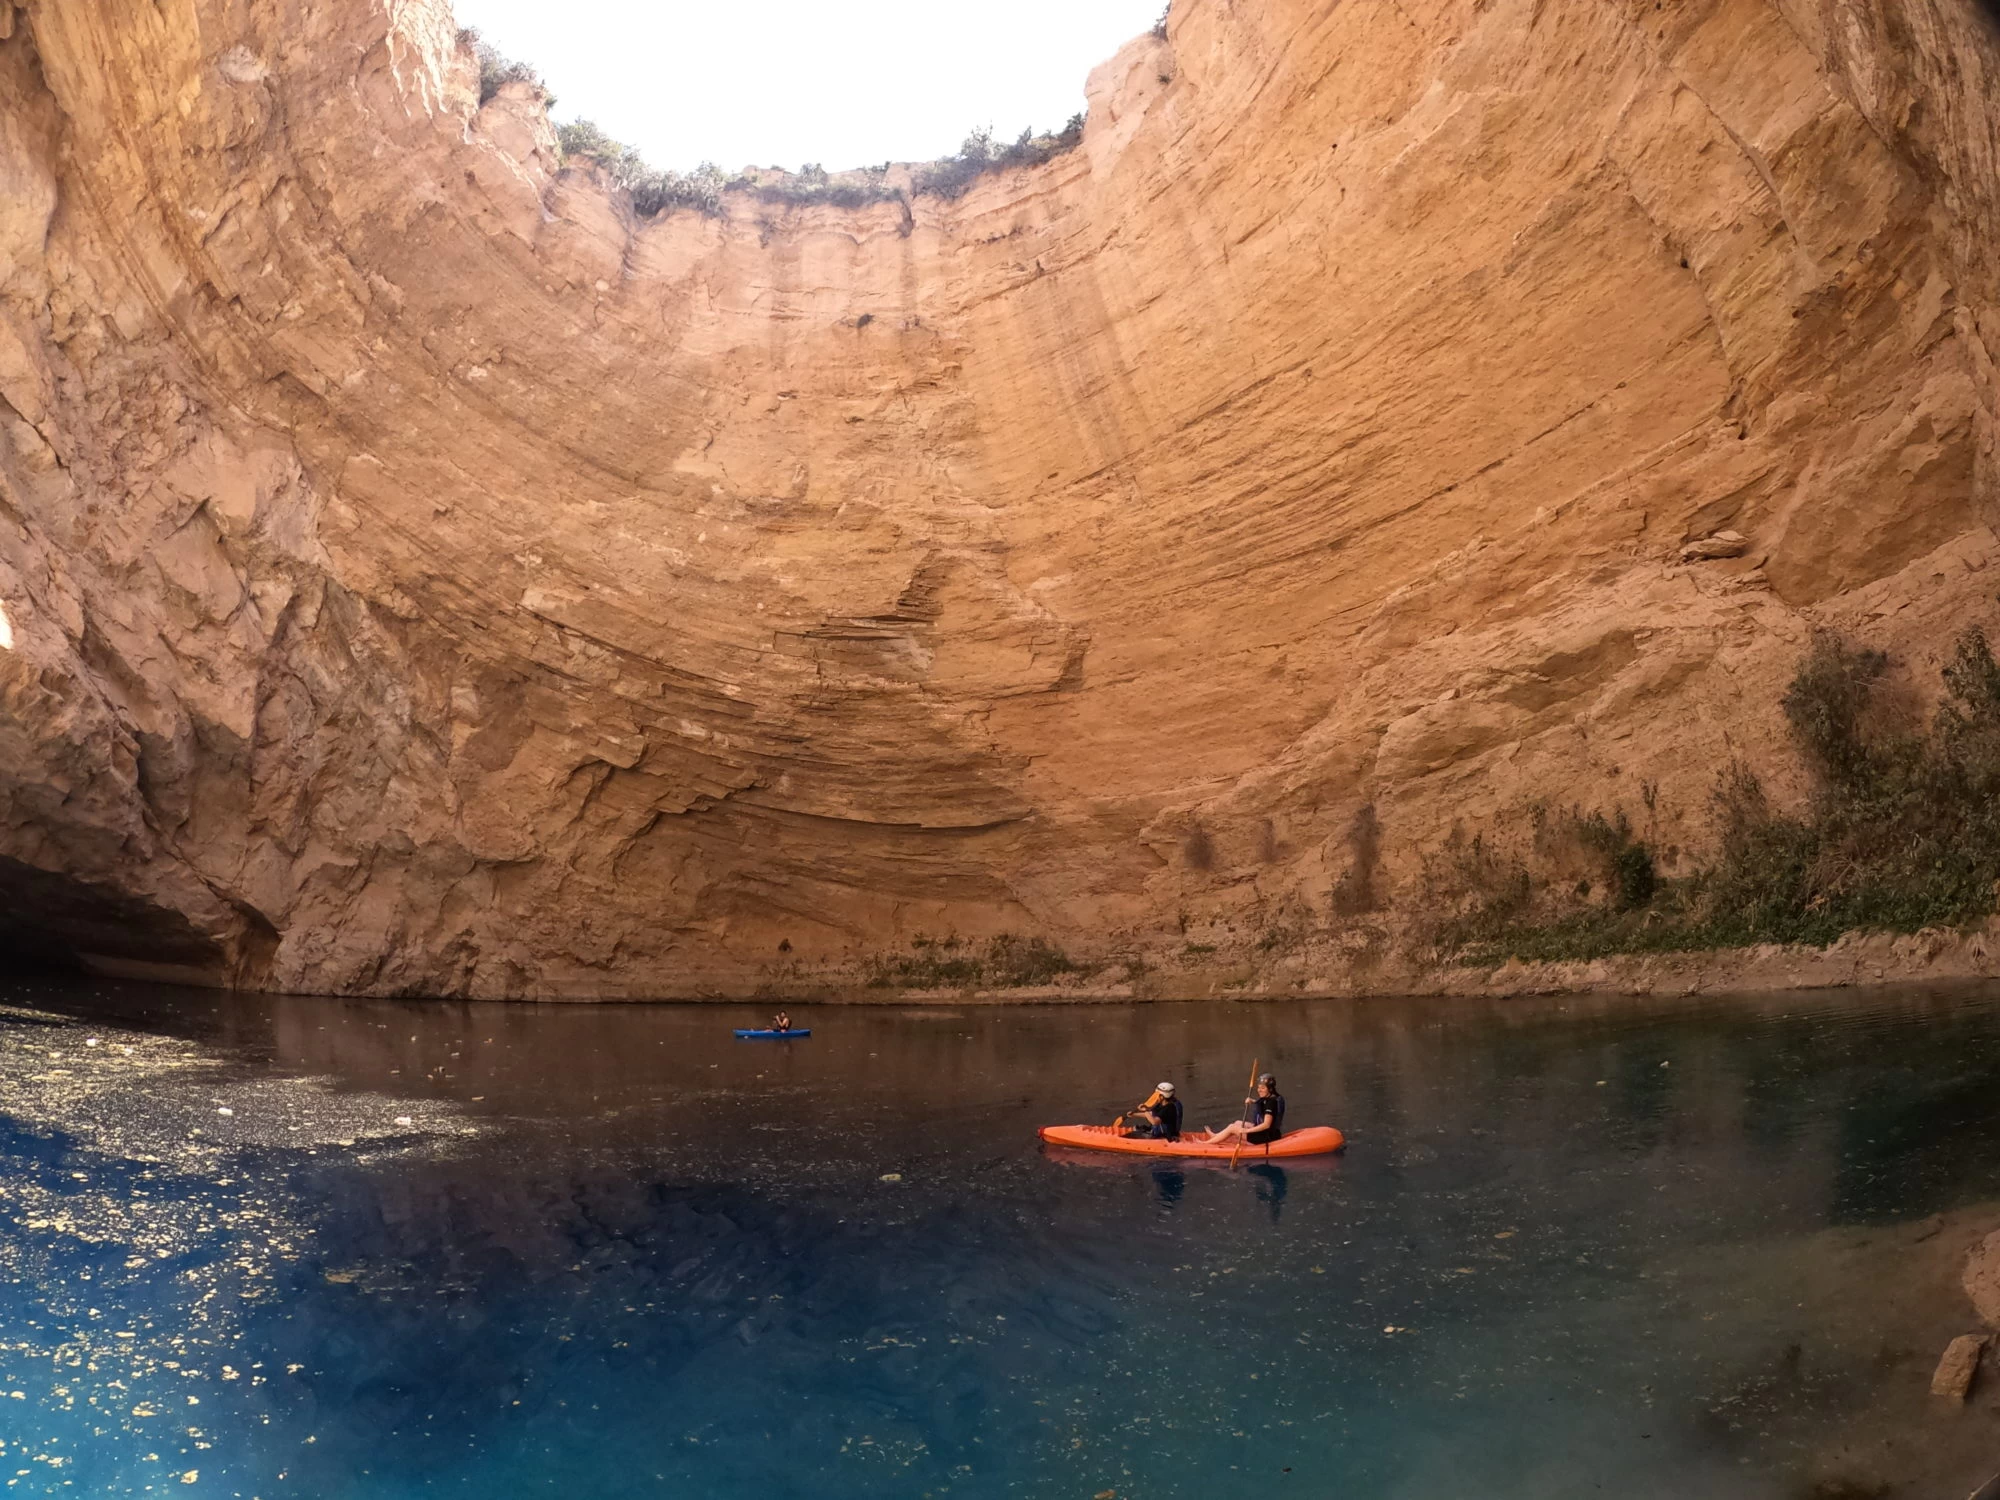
(1576, 1248)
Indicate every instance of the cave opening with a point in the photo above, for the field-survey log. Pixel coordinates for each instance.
(56, 923)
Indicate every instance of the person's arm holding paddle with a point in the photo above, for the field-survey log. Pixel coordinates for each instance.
(1161, 1113)
(1265, 1122)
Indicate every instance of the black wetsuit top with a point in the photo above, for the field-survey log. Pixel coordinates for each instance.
(1268, 1115)
(1168, 1113)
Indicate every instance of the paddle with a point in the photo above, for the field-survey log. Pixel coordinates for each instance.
(1252, 1087)
(1118, 1124)
(1153, 1098)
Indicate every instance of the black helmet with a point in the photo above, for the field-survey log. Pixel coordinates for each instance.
(1270, 1078)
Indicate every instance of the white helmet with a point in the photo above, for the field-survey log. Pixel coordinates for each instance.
(1165, 1088)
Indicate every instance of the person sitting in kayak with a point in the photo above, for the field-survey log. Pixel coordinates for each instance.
(1159, 1118)
(782, 1021)
(1263, 1117)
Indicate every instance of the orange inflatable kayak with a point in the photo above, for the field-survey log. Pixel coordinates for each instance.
(1314, 1140)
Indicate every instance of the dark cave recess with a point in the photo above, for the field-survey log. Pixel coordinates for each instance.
(50, 921)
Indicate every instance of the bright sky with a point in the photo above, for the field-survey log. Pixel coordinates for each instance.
(845, 83)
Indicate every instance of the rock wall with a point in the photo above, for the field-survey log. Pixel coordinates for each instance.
(421, 575)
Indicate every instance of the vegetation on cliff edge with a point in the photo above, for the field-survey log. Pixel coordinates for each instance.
(655, 190)
(496, 69)
(981, 152)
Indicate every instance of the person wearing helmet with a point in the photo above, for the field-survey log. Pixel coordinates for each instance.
(1159, 1118)
(1263, 1117)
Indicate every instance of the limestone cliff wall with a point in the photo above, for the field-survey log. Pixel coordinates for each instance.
(423, 575)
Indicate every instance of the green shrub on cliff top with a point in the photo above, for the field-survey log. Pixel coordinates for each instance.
(652, 189)
(496, 70)
(950, 176)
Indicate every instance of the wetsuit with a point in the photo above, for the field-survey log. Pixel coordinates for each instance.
(1268, 1115)
(1167, 1111)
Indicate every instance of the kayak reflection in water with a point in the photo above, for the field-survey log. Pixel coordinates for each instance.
(1263, 1117)
(1159, 1118)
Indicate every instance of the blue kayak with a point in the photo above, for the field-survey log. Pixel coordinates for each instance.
(773, 1036)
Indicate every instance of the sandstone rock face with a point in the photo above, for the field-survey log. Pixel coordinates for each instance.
(421, 575)
(1982, 1279)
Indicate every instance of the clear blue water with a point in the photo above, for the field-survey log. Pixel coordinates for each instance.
(1575, 1248)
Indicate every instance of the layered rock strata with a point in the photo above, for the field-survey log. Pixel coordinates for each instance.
(422, 575)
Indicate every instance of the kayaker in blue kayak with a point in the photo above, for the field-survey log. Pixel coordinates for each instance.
(782, 1021)
(1159, 1118)
(1263, 1117)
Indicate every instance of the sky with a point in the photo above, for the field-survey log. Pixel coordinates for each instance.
(844, 83)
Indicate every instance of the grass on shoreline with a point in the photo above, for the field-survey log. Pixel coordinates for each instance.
(1006, 962)
(1902, 833)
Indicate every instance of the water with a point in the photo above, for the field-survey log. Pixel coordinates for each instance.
(1575, 1248)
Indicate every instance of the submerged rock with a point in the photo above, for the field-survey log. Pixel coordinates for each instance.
(1958, 1365)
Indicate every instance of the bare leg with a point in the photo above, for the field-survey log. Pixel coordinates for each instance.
(1228, 1132)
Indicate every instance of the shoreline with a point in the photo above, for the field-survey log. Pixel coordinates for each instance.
(1857, 961)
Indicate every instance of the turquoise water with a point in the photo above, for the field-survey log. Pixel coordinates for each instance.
(1575, 1248)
